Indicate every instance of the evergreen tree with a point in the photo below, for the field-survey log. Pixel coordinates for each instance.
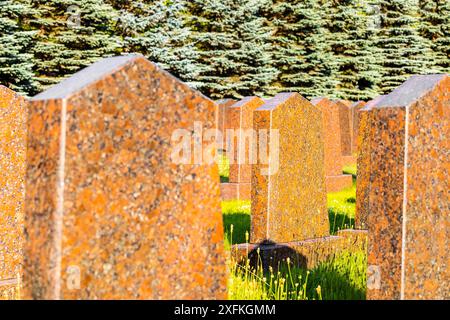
(404, 50)
(156, 29)
(231, 47)
(435, 27)
(298, 48)
(72, 34)
(353, 57)
(16, 63)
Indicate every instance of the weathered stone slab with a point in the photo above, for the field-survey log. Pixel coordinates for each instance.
(288, 194)
(364, 155)
(240, 119)
(345, 127)
(408, 220)
(13, 117)
(109, 214)
(355, 108)
(335, 180)
(223, 105)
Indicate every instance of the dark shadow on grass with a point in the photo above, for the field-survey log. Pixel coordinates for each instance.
(224, 179)
(351, 200)
(339, 221)
(270, 254)
(269, 259)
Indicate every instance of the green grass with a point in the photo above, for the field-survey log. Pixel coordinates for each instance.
(224, 168)
(236, 220)
(342, 277)
(341, 205)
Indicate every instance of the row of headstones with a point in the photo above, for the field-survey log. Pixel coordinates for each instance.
(108, 214)
(340, 119)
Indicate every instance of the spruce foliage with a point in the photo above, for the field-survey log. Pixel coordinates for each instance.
(298, 50)
(231, 47)
(435, 28)
(353, 56)
(72, 34)
(16, 61)
(349, 49)
(404, 50)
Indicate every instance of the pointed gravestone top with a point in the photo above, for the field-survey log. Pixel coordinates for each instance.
(288, 190)
(85, 77)
(245, 101)
(408, 191)
(410, 91)
(101, 161)
(373, 103)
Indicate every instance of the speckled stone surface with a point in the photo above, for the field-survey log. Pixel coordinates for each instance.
(338, 183)
(304, 254)
(222, 106)
(9, 292)
(355, 108)
(345, 123)
(363, 164)
(235, 191)
(408, 220)
(348, 103)
(13, 115)
(108, 214)
(335, 180)
(240, 116)
(290, 204)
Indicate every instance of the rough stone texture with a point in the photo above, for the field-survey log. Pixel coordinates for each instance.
(346, 125)
(303, 254)
(348, 103)
(9, 292)
(408, 199)
(240, 116)
(364, 155)
(222, 106)
(235, 191)
(349, 160)
(338, 183)
(108, 214)
(290, 204)
(355, 108)
(13, 115)
(335, 180)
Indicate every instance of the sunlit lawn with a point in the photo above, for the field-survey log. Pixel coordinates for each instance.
(343, 277)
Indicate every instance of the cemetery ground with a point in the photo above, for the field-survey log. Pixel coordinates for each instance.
(342, 277)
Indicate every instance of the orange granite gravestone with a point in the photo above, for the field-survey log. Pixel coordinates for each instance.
(346, 132)
(363, 164)
(355, 108)
(239, 118)
(223, 106)
(13, 115)
(335, 180)
(409, 213)
(109, 214)
(288, 194)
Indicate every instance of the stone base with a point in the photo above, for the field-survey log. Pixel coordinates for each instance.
(9, 290)
(348, 160)
(338, 183)
(235, 191)
(304, 254)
